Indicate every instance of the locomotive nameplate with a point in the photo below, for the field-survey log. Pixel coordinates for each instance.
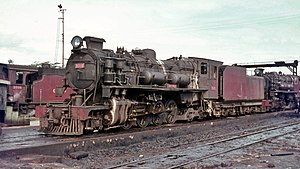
(79, 66)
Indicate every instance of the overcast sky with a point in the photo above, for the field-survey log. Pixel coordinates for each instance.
(233, 31)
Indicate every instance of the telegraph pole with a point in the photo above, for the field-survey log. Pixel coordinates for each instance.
(63, 33)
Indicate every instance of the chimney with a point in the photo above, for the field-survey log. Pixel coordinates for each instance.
(94, 43)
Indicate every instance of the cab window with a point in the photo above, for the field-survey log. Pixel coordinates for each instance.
(214, 72)
(203, 68)
(19, 77)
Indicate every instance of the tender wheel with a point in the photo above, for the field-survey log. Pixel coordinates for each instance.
(127, 125)
(157, 119)
(142, 122)
(171, 108)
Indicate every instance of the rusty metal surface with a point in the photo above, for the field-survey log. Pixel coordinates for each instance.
(237, 85)
(255, 88)
(234, 83)
(44, 89)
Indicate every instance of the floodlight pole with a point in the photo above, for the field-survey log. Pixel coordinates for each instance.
(63, 33)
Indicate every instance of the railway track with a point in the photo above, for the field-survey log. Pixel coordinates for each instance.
(34, 142)
(201, 151)
(24, 137)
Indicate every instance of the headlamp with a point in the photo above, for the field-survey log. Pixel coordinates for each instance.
(76, 42)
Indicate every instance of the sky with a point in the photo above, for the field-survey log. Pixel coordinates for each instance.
(232, 31)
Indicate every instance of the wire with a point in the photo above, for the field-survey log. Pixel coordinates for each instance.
(225, 24)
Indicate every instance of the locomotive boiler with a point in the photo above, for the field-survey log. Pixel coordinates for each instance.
(126, 88)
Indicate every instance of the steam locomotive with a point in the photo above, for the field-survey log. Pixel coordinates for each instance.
(122, 89)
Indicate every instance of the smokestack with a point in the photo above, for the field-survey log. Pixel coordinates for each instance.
(94, 43)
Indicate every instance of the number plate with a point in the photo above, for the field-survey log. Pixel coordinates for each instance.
(79, 65)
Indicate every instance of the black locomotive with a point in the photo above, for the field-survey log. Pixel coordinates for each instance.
(122, 89)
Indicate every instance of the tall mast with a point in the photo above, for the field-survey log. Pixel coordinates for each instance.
(63, 33)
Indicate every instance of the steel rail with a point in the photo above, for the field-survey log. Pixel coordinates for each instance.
(157, 158)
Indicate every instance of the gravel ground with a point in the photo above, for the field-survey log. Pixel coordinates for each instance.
(282, 152)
